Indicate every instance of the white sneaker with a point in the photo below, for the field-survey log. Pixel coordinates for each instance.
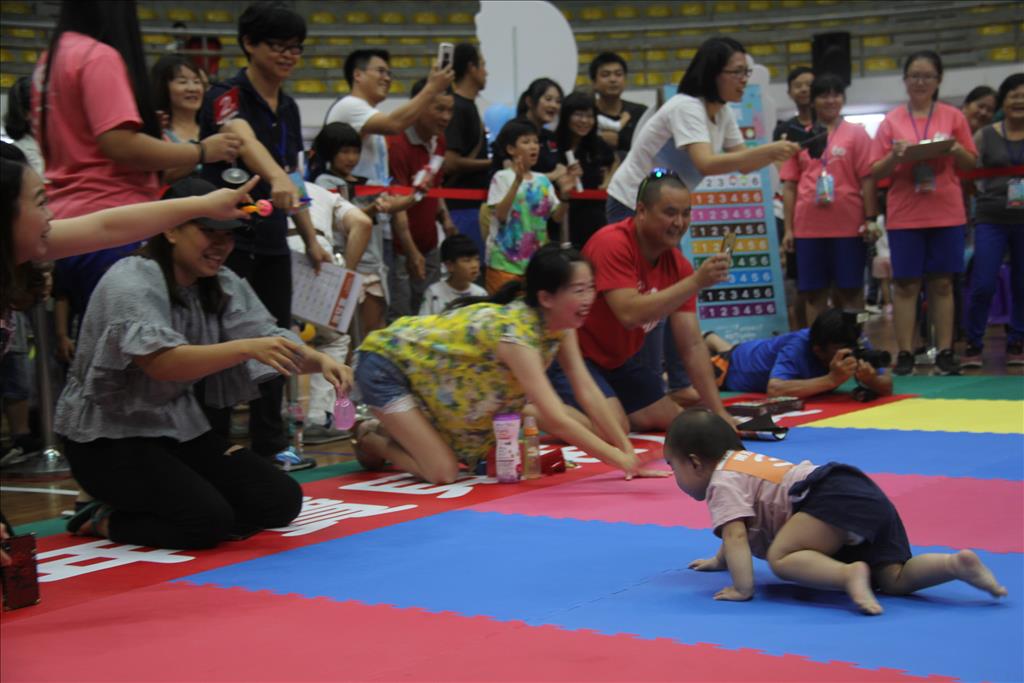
(13, 456)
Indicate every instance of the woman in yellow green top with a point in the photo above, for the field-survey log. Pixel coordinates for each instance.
(436, 382)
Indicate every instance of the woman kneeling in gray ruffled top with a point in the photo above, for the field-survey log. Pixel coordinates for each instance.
(168, 331)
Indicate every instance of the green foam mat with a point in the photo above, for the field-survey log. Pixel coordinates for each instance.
(1007, 388)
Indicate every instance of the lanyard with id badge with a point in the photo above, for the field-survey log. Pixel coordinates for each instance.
(1015, 186)
(924, 174)
(825, 187)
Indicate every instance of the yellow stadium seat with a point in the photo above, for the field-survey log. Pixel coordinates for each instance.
(427, 61)
(656, 55)
(339, 40)
(678, 75)
(373, 40)
(880, 64)
(1006, 53)
(341, 87)
(656, 34)
(626, 54)
(871, 20)
(584, 37)
(877, 41)
(623, 11)
(24, 33)
(156, 39)
(229, 40)
(6, 55)
(799, 47)
(567, 14)
(411, 40)
(797, 25)
(460, 18)
(143, 13)
(761, 49)
(995, 29)
(15, 8)
(792, 4)
(691, 9)
(181, 14)
(827, 2)
(760, 27)
(659, 11)
(759, 5)
(773, 71)
(30, 56)
(725, 7)
(322, 18)
(217, 16)
(398, 87)
(656, 78)
(620, 35)
(686, 52)
(830, 23)
(241, 62)
(403, 62)
(592, 14)
(310, 86)
(582, 80)
(426, 18)
(311, 40)
(7, 80)
(983, 9)
(686, 32)
(392, 18)
(586, 57)
(357, 18)
(326, 62)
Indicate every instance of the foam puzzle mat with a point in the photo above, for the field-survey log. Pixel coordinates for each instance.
(579, 576)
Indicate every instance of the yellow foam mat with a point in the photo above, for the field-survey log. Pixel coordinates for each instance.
(936, 415)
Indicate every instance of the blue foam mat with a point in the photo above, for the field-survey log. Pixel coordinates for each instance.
(623, 578)
(951, 454)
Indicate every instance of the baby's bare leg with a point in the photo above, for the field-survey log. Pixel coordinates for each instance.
(932, 569)
(802, 552)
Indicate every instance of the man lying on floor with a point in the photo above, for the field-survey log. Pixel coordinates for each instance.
(804, 363)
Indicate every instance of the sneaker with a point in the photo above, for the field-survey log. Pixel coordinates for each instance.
(290, 461)
(971, 357)
(946, 363)
(1015, 353)
(925, 355)
(904, 363)
(318, 434)
(13, 456)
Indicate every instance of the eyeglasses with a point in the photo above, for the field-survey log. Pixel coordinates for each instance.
(922, 78)
(382, 71)
(739, 73)
(655, 174)
(280, 48)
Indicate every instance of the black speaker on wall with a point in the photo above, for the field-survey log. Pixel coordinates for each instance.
(830, 53)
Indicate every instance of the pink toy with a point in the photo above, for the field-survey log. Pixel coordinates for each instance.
(262, 207)
(344, 412)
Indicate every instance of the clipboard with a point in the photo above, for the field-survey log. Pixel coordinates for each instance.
(927, 150)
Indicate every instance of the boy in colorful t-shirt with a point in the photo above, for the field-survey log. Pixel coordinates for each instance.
(826, 526)
(521, 204)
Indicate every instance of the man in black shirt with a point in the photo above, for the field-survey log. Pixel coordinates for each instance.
(271, 36)
(466, 164)
(617, 118)
(799, 89)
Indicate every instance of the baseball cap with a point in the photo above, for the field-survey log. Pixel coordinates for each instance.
(197, 187)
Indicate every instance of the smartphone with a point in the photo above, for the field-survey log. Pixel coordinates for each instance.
(445, 55)
(728, 242)
(19, 581)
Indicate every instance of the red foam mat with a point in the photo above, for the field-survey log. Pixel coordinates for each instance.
(946, 511)
(180, 632)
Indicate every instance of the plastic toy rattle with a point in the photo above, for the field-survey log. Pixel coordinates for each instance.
(262, 207)
(344, 412)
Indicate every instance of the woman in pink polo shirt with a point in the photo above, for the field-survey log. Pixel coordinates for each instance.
(925, 216)
(826, 198)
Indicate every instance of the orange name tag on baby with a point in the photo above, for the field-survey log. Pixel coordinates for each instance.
(756, 465)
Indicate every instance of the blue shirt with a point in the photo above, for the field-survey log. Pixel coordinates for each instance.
(280, 132)
(787, 356)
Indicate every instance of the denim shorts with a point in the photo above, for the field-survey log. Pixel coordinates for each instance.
(381, 384)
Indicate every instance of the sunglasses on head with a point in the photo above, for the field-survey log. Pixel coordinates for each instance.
(655, 174)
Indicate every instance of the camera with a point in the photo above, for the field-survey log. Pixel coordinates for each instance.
(877, 358)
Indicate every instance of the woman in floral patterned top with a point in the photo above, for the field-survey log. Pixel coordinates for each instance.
(436, 382)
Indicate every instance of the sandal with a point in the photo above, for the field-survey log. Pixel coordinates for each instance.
(92, 513)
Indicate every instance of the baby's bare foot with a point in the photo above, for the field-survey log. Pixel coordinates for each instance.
(968, 567)
(858, 587)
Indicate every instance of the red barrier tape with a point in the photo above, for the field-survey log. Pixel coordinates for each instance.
(602, 195)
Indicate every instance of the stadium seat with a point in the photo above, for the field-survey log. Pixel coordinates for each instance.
(357, 18)
(726, 7)
(426, 18)
(322, 18)
(691, 9)
(392, 18)
(460, 18)
(156, 39)
(217, 16)
(181, 14)
(376, 40)
(1007, 53)
(877, 41)
(339, 40)
(759, 5)
(310, 86)
(624, 11)
(880, 64)
(341, 87)
(143, 13)
(30, 56)
(995, 29)
(799, 47)
(403, 62)
(411, 40)
(24, 33)
(323, 62)
(15, 8)
(584, 37)
(6, 55)
(593, 14)
(656, 55)
(762, 49)
(7, 80)
(659, 11)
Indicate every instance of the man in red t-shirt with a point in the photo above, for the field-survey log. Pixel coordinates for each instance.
(642, 278)
(417, 264)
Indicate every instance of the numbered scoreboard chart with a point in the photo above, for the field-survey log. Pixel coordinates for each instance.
(751, 304)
